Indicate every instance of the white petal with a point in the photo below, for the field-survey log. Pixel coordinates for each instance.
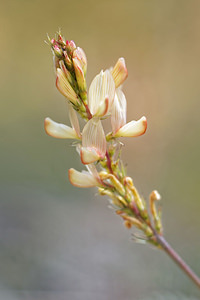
(89, 155)
(65, 87)
(118, 112)
(74, 120)
(101, 88)
(93, 137)
(133, 128)
(82, 179)
(119, 72)
(58, 130)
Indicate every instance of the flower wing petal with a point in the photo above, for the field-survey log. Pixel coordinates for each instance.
(133, 128)
(82, 179)
(59, 130)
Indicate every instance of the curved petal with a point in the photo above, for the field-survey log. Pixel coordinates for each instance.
(119, 72)
(65, 87)
(133, 128)
(118, 112)
(101, 88)
(82, 179)
(59, 130)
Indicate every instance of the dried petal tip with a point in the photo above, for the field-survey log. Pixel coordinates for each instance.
(82, 179)
(59, 131)
(133, 128)
(119, 72)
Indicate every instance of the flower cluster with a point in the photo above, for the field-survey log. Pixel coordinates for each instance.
(100, 152)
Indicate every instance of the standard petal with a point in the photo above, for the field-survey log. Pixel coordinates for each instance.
(101, 88)
(93, 137)
(133, 128)
(119, 72)
(58, 130)
(82, 179)
(65, 87)
(118, 112)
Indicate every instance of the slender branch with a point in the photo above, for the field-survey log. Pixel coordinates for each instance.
(177, 259)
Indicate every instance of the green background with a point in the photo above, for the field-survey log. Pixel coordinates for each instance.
(60, 242)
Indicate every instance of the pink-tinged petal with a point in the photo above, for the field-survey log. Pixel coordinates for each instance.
(133, 128)
(89, 155)
(101, 88)
(65, 87)
(93, 137)
(119, 72)
(59, 131)
(74, 120)
(103, 108)
(82, 179)
(118, 112)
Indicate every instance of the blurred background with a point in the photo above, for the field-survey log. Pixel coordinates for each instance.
(60, 242)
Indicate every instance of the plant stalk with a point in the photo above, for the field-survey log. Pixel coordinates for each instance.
(177, 259)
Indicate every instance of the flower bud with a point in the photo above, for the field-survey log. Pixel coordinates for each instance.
(71, 46)
(67, 60)
(57, 51)
(119, 72)
(155, 196)
(80, 55)
(65, 87)
(80, 77)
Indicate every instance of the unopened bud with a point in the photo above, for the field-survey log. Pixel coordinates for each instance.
(80, 77)
(116, 183)
(80, 55)
(61, 40)
(67, 60)
(155, 196)
(71, 46)
(66, 72)
(57, 51)
(119, 72)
